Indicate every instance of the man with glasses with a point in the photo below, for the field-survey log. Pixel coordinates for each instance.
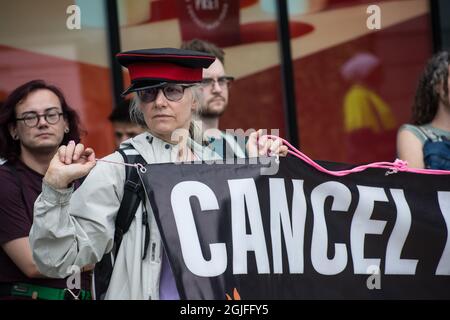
(215, 89)
(34, 120)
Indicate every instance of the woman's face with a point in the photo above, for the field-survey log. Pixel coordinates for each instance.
(164, 116)
(448, 87)
(443, 96)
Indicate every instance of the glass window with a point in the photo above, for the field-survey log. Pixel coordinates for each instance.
(355, 85)
(246, 30)
(37, 42)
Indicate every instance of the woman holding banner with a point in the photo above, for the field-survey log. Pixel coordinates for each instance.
(77, 228)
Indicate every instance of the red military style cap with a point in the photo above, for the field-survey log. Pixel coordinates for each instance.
(150, 68)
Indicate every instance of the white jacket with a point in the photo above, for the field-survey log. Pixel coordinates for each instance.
(77, 228)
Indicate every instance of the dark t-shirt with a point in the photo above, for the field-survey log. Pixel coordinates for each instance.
(16, 218)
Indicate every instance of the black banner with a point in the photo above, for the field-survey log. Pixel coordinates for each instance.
(232, 232)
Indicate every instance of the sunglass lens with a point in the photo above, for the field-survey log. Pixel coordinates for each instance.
(173, 92)
(148, 95)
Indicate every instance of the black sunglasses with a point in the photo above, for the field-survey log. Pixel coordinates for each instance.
(173, 92)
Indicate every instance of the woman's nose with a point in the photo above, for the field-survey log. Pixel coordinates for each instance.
(160, 100)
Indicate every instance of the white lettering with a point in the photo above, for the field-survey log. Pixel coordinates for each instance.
(206, 4)
(362, 225)
(444, 263)
(187, 231)
(319, 246)
(395, 265)
(293, 232)
(244, 195)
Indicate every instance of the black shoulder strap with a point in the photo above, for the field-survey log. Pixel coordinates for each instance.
(133, 194)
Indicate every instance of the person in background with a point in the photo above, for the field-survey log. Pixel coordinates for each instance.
(368, 120)
(215, 90)
(124, 127)
(35, 120)
(425, 142)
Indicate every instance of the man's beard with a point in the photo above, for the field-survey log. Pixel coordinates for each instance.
(211, 113)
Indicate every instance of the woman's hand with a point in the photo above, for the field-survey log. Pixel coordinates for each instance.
(259, 145)
(70, 162)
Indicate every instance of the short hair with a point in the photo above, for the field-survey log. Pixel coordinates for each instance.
(206, 47)
(121, 113)
(10, 148)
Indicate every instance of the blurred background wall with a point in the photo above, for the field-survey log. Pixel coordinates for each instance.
(327, 42)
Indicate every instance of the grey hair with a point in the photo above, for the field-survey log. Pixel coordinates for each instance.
(136, 114)
(195, 129)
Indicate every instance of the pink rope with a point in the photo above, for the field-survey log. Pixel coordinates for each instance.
(394, 167)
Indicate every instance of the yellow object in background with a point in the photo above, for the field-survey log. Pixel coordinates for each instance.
(364, 109)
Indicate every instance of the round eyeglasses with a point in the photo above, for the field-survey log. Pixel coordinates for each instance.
(31, 119)
(221, 81)
(173, 92)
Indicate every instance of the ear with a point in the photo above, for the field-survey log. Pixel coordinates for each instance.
(195, 103)
(12, 128)
(66, 124)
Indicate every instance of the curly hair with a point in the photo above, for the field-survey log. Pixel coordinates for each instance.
(427, 97)
(10, 148)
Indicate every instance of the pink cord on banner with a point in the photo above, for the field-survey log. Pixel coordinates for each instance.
(394, 167)
(138, 166)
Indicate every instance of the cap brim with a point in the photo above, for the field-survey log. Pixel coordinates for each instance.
(141, 86)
